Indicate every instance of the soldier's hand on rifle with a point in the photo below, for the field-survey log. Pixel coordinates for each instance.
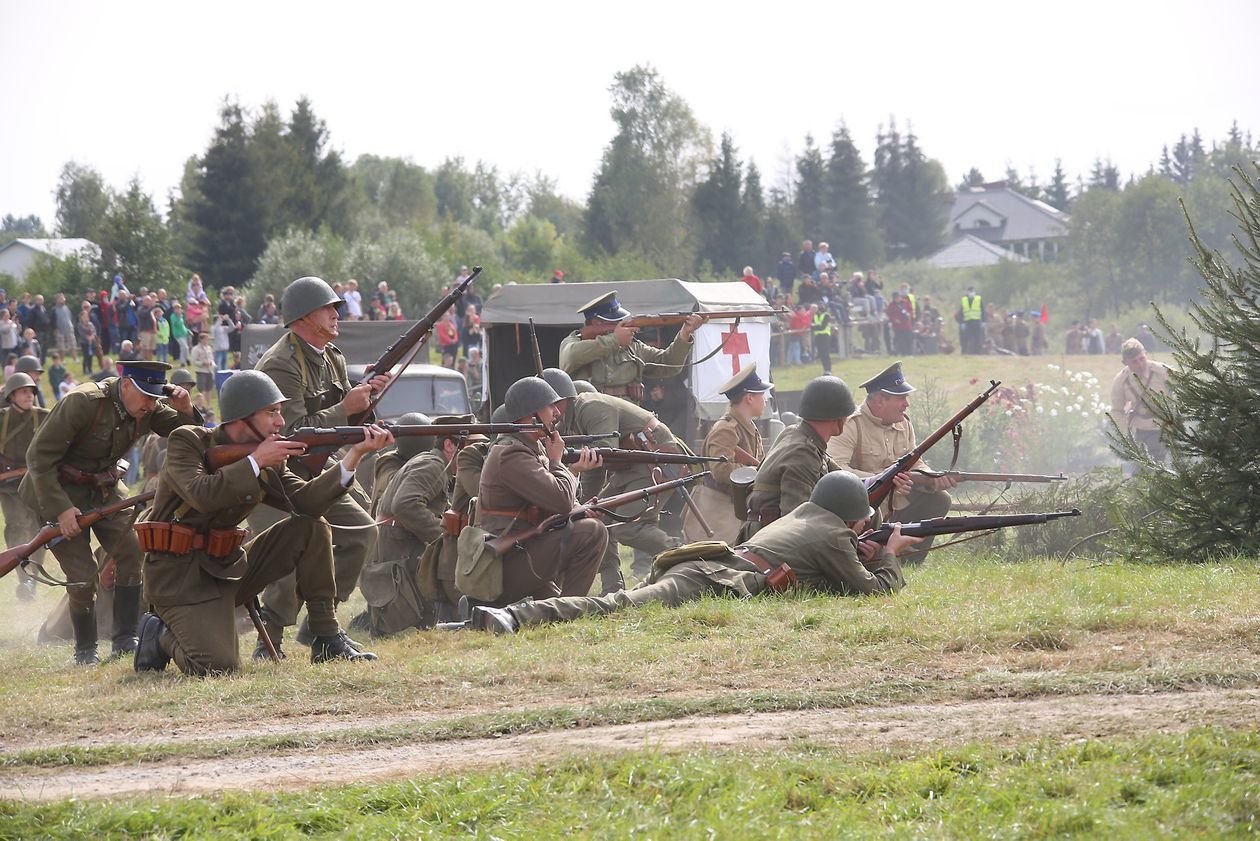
(689, 326)
(899, 542)
(274, 451)
(178, 398)
(553, 446)
(903, 483)
(69, 523)
(357, 400)
(588, 459)
(624, 333)
(944, 483)
(374, 438)
(869, 551)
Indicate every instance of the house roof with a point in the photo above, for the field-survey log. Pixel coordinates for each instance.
(557, 303)
(972, 251)
(59, 247)
(1025, 218)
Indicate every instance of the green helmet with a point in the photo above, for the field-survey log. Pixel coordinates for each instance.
(14, 382)
(28, 365)
(411, 446)
(244, 393)
(826, 398)
(560, 381)
(527, 396)
(305, 295)
(844, 495)
(585, 387)
(500, 415)
(182, 377)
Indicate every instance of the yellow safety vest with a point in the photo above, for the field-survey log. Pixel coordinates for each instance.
(820, 319)
(971, 311)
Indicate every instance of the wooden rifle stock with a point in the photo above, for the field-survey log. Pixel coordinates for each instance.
(14, 555)
(878, 487)
(957, 525)
(920, 475)
(614, 456)
(504, 544)
(321, 442)
(745, 458)
(533, 340)
(673, 319)
(14, 473)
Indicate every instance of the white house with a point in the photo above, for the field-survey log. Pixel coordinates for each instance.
(19, 256)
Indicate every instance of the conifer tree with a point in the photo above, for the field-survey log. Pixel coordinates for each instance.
(811, 206)
(1056, 194)
(850, 214)
(1207, 504)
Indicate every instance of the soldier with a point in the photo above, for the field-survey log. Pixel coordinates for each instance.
(19, 419)
(388, 463)
(626, 425)
(617, 363)
(522, 483)
(734, 431)
(310, 372)
(32, 367)
(468, 464)
(74, 465)
(152, 446)
(878, 435)
(1129, 390)
(799, 457)
(818, 542)
(195, 592)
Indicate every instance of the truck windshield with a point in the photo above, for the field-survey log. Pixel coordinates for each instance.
(430, 395)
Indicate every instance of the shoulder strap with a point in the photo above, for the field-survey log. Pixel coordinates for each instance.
(300, 357)
(87, 430)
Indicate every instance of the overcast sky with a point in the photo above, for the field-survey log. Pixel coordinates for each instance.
(134, 88)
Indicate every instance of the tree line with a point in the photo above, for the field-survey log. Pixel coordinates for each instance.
(271, 197)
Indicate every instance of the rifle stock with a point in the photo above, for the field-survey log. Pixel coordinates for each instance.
(878, 487)
(14, 555)
(673, 319)
(614, 456)
(15, 473)
(920, 475)
(503, 544)
(957, 525)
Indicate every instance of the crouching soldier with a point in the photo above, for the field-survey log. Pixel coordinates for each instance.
(197, 569)
(19, 418)
(816, 546)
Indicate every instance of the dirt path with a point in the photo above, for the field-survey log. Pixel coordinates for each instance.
(857, 730)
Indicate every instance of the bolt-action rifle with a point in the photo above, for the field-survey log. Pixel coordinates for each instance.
(596, 506)
(673, 319)
(51, 532)
(615, 458)
(920, 475)
(957, 525)
(323, 442)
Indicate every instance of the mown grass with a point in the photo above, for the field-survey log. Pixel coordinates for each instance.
(966, 627)
(1202, 783)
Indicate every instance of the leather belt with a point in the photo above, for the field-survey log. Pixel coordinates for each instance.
(74, 476)
(532, 514)
(632, 390)
(778, 577)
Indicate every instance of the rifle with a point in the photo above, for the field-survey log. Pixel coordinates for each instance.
(878, 487)
(50, 534)
(672, 319)
(614, 458)
(745, 458)
(504, 544)
(956, 525)
(920, 475)
(14, 473)
(533, 340)
(411, 341)
(320, 443)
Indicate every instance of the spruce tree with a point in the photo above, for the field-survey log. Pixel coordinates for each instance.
(227, 214)
(1208, 504)
(811, 206)
(1056, 194)
(850, 214)
(718, 208)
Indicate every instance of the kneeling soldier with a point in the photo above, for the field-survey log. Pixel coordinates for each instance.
(20, 418)
(203, 572)
(815, 546)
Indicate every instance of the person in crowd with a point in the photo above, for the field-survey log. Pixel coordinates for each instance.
(470, 330)
(901, 318)
(800, 329)
(785, 272)
(196, 292)
(220, 333)
(805, 260)
(9, 334)
(63, 327)
(180, 334)
(446, 332)
(823, 260)
(754, 282)
(56, 373)
(202, 359)
(162, 335)
(86, 331)
(1095, 343)
(354, 301)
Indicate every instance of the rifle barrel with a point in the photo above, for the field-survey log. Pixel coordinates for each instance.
(957, 525)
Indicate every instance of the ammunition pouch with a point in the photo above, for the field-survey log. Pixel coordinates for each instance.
(69, 475)
(631, 391)
(453, 522)
(179, 539)
(778, 578)
(767, 514)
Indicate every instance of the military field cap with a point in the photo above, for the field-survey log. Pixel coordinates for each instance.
(1131, 349)
(15, 382)
(890, 381)
(149, 377)
(183, 377)
(605, 308)
(745, 382)
(29, 365)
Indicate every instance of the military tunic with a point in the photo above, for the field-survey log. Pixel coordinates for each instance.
(620, 371)
(520, 487)
(866, 447)
(17, 428)
(714, 497)
(1128, 391)
(787, 475)
(196, 595)
(316, 382)
(468, 464)
(72, 435)
(383, 469)
(819, 547)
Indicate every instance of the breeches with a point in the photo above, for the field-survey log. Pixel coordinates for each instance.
(924, 505)
(679, 584)
(78, 565)
(561, 563)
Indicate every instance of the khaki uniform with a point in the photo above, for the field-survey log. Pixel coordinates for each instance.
(815, 543)
(787, 476)
(89, 429)
(620, 371)
(315, 384)
(866, 447)
(713, 498)
(197, 595)
(152, 457)
(600, 414)
(20, 523)
(520, 487)
(468, 465)
(383, 469)
(1128, 402)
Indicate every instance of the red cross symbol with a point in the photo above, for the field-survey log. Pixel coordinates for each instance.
(735, 344)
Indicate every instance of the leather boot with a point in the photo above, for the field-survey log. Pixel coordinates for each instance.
(337, 646)
(304, 635)
(126, 615)
(276, 632)
(84, 625)
(150, 656)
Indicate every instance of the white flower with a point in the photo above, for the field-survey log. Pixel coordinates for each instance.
(1054, 413)
(1039, 410)
(1070, 408)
